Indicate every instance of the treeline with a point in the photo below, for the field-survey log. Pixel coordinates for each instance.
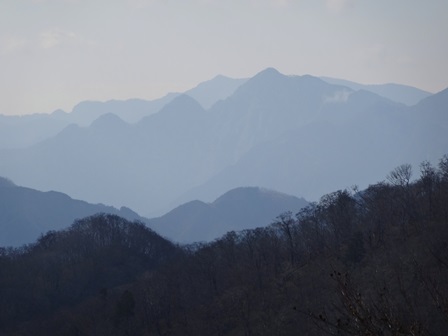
(371, 262)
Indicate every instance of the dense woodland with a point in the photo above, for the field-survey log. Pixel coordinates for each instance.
(371, 262)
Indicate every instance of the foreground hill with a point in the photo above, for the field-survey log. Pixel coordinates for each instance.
(25, 213)
(238, 209)
(92, 257)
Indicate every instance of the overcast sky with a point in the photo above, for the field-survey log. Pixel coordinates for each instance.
(56, 53)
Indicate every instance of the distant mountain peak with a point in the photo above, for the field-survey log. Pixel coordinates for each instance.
(182, 102)
(184, 99)
(238, 209)
(249, 193)
(273, 193)
(268, 73)
(263, 83)
(218, 77)
(108, 120)
(240, 192)
(59, 112)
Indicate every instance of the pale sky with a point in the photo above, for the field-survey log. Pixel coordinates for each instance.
(56, 53)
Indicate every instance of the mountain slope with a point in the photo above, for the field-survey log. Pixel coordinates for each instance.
(433, 109)
(238, 209)
(117, 163)
(219, 88)
(25, 213)
(354, 139)
(23, 131)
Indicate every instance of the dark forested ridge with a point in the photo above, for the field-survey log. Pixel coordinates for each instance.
(371, 262)
(65, 268)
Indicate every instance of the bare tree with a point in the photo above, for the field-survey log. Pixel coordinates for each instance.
(401, 176)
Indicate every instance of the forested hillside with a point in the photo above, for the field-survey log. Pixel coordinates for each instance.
(370, 262)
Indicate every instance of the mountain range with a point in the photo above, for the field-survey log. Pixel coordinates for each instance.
(26, 214)
(299, 135)
(27, 130)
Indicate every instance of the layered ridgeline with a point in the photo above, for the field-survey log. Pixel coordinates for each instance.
(27, 214)
(404, 94)
(23, 131)
(238, 209)
(296, 134)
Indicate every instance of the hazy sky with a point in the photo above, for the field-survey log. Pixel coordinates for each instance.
(56, 53)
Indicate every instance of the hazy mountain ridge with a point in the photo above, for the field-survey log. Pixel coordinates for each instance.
(237, 209)
(27, 130)
(131, 110)
(399, 93)
(295, 134)
(24, 131)
(112, 150)
(350, 138)
(25, 213)
(433, 109)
